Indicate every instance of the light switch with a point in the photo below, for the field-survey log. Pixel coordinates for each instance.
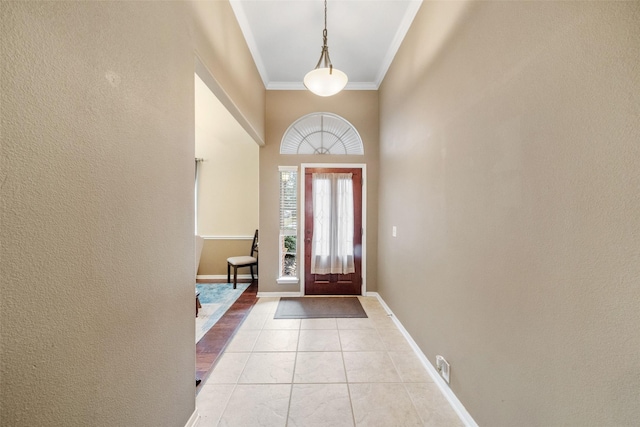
(394, 231)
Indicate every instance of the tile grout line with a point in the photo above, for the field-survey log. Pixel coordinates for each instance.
(413, 402)
(402, 380)
(226, 404)
(293, 373)
(346, 378)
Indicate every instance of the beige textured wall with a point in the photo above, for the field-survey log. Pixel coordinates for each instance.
(510, 163)
(228, 178)
(97, 245)
(220, 46)
(216, 251)
(360, 108)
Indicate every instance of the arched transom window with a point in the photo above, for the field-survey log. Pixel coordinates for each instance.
(321, 133)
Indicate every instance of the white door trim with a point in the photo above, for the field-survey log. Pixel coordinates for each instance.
(301, 215)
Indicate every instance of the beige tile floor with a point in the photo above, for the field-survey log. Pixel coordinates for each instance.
(321, 372)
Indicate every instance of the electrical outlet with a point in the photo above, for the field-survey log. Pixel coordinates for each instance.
(443, 367)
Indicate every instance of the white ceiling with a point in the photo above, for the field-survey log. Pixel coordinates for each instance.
(285, 37)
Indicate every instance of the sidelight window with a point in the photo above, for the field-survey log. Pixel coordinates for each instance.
(288, 224)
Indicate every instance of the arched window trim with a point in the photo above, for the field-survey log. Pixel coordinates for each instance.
(304, 129)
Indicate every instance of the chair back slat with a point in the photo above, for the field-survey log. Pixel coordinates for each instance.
(254, 244)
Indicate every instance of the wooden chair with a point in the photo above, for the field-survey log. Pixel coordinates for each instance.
(243, 261)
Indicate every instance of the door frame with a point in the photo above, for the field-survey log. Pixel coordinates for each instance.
(361, 166)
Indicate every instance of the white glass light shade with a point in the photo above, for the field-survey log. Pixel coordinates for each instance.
(323, 83)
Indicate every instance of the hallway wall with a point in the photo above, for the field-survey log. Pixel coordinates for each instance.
(97, 217)
(509, 163)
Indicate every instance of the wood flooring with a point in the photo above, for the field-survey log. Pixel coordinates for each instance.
(211, 346)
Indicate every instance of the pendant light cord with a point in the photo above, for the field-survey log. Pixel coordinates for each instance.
(324, 33)
(325, 49)
(325, 18)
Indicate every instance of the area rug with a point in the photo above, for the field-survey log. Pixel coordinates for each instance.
(318, 307)
(216, 298)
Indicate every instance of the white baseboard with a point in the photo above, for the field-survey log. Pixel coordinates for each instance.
(222, 276)
(278, 294)
(462, 412)
(194, 420)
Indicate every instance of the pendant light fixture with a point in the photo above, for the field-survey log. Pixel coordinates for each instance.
(325, 80)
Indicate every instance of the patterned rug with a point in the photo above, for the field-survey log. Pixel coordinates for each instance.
(216, 298)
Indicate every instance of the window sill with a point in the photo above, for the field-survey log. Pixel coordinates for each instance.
(287, 281)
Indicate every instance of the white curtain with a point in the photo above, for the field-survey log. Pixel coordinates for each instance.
(332, 245)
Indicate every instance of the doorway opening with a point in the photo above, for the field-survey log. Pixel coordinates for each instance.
(226, 205)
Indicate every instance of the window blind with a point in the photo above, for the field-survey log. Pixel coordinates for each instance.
(288, 202)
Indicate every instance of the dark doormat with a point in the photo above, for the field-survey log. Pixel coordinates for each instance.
(318, 307)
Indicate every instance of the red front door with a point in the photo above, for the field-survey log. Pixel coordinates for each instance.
(333, 284)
